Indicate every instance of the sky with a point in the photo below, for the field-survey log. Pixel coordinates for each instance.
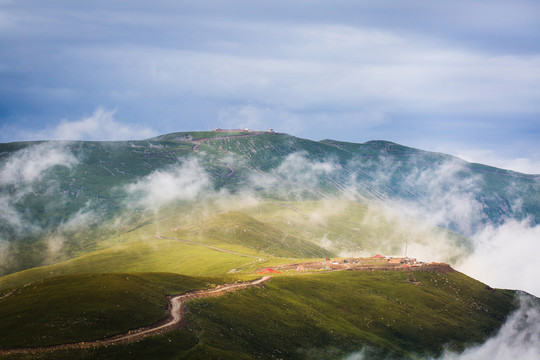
(459, 77)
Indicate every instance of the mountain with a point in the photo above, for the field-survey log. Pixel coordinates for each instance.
(96, 236)
(53, 190)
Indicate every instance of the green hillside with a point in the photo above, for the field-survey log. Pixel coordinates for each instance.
(85, 307)
(329, 315)
(159, 256)
(94, 235)
(252, 235)
(79, 194)
(239, 228)
(300, 317)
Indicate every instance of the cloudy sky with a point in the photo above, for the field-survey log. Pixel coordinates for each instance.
(460, 77)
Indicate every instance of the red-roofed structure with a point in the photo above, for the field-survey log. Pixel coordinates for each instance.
(378, 256)
(269, 271)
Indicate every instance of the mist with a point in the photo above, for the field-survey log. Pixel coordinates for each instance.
(186, 181)
(297, 177)
(506, 256)
(500, 254)
(518, 338)
(21, 174)
(57, 238)
(424, 240)
(438, 192)
(499, 251)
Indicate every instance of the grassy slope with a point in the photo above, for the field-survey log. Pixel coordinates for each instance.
(349, 227)
(238, 228)
(266, 229)
(328, 316)
(84, 307)
(346, 311)
(156, 256)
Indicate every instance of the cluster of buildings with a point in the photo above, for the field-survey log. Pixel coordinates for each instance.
(395, 260)
(377, 262)
(271, 131)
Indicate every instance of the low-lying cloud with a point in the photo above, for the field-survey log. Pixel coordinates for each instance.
(25, 166)
(439, 194)
(76, 223)
(448, 199)
(25, 173)
(506, 256)
(186, 181)
(499, 251)
(518, 338)
(392, 231)
(21, 173)
(297, 177)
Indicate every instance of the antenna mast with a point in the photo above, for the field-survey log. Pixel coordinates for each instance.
(323, 253)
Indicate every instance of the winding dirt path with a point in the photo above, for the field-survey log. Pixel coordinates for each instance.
(174, 320)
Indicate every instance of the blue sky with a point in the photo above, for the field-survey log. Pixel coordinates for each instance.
(459, 77)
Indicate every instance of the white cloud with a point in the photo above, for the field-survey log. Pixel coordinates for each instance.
(308, 71)
(361, 355)
(30, 164)
(321, 66)
(187, 181)
(101, 125)
(392, 230)
(75, 223)
(22, 170)
(527, 165)
(518, 338)
(296, 177)
(439, 195)
(442, 62)
(447, 198)
(506, 256)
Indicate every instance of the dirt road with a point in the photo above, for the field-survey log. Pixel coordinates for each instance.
(173, 321)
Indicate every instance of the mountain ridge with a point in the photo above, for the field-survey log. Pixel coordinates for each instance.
(52, 187)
